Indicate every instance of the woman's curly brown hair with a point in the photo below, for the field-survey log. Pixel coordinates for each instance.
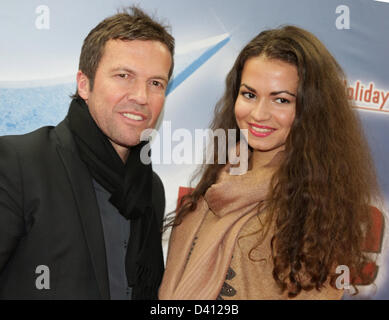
(322, 190)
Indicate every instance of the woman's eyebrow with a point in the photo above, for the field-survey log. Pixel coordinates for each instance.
(274, 93)
(282, 91)
(249, 88)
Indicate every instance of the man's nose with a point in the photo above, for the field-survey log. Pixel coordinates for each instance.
(138, 92)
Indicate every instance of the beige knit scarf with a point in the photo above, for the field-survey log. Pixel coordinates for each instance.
(201, 247)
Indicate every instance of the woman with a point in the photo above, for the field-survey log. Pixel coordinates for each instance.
(280, 230)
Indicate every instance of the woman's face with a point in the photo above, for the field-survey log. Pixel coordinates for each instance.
(266, 103)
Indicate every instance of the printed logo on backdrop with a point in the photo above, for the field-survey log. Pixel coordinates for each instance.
(367, 96)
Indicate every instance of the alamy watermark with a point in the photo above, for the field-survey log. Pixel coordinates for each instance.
(342, 21)
(343, 280)
(42, 20)
(181, 146)
(43, 279)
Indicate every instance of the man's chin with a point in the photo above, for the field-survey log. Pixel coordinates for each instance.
(122, 146)
(129, 143)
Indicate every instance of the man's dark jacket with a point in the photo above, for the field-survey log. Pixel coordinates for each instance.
(49, 216)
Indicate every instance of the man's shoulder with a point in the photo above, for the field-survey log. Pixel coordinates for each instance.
(38, 135)
(35, 142)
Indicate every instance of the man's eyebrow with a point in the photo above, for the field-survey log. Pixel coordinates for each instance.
(160, 78)
(125, 69)
(274, 93)
(119, 68)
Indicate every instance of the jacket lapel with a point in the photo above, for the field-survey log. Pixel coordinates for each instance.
(86, 201)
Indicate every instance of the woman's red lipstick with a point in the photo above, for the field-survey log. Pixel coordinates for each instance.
(264, 131)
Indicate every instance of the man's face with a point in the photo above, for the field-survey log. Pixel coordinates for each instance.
(128, 91)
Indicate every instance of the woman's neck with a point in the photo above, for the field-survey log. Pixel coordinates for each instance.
(260, 159)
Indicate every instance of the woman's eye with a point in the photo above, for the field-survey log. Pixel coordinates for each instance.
(248, 95)
(282, 100)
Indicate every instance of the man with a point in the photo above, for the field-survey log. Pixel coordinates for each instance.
(80, 213)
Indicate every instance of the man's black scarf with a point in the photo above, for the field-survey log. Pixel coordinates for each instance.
(130, 185)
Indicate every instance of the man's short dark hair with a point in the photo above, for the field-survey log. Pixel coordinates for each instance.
(129, 24)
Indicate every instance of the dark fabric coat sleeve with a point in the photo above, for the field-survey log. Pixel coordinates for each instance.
(12, 225)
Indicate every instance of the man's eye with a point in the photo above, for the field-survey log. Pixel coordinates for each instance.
(157, 83)
(123, 75)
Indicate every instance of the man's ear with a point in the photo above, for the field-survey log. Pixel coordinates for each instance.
(83, 85)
